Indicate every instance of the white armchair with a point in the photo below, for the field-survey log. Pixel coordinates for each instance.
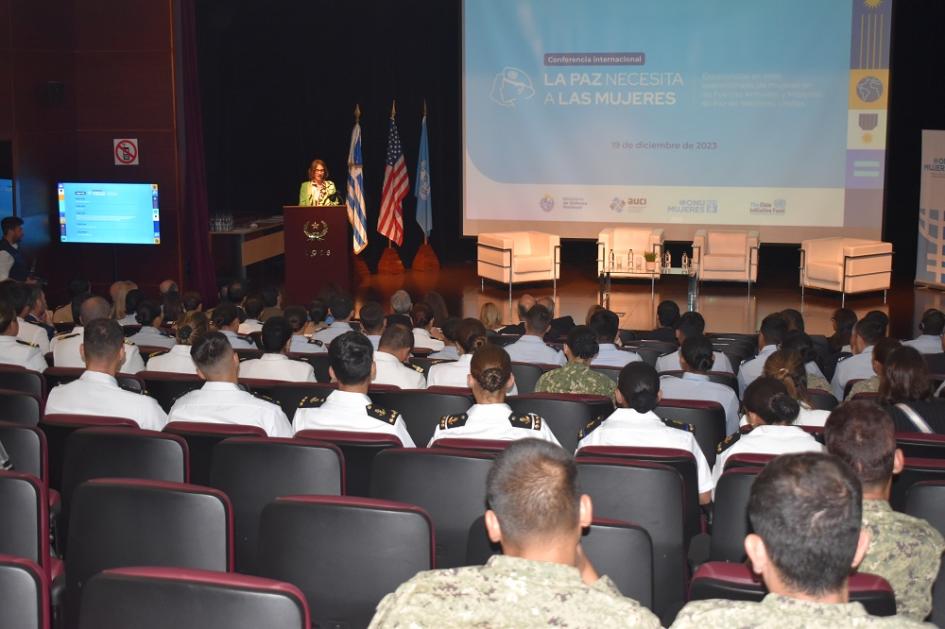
(512, 257)
(620, 251)
(846, 265)
(730, 256)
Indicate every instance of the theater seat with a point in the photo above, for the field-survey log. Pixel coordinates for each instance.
(493, 446)
(24, 594)
(359, 449)
(708, 419)
(20, 408)
(167, 387)
(914, 471)
(564, 413)
(730, 515)
(15, 378)
(846, 265)
(921, 445)
(422, 409)
(201, 437)
(57, 429)
(178, 598)
(24, 522)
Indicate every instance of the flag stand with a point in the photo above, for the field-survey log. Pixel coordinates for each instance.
(361, 268)
(390, 262)
(425, 259)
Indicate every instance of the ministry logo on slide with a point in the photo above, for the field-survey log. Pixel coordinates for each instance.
(510, 86)
(547, 203)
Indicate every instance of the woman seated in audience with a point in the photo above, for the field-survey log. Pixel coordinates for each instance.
(905, 391)
(789, 367)
(771, 413)
(843, 320)
(799, 342)
(177, 360)
(881, 351)
(438, 304)
(150, 335)
(490, 378)
(172, 308)
(12, 351)
(118, 292)
(470, 336)
(490, 317)
(317, 311)
(425, 335)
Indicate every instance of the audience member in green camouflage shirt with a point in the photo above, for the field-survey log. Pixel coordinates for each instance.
(577, 376)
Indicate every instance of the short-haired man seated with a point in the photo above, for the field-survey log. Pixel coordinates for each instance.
(542, 579)
(531, 348)
(394, 349)
(606, 325)
(577, 376)
(351, 365)
(340, 307)
(274, 364)
(805, 510)
(220, 400)
(904, 550)
(65, 347)
(96, 392)
(372, 322)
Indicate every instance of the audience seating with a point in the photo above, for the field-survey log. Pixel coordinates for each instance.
(926, 500)
(359, 450)
(650, 495)
(20, 408)
(730, 514)
(26, 447)
(730, 256)
(157, 598)
(748, 459)
(422, 409)
(450, 485)
(54, 376)
(121, 523)
(318, 361)
(921, 445)
(289, 395)
(57, 429)
(201, 437)
(493, 446)
(612, 372)
(915, 470)
(822, 400)
(24, 522)
(527, 375)
(513, 257)
(254, 471)
(344, 553)
(736, 581)
(565, 413)
(846, 265)
(935, 362)
(14, 378)
(24, 594)
(708, 419)
(621, 250)
(720, 377)
(167, 387)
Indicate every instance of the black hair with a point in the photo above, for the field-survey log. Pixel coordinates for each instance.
(421, 314)
(171, 307)
(147, 312)
(236, 291)
(583, 342)
(7, 315)
(538, 318)
(253, 306)
(801, 343)
(863, 434)
(773, 328)
(396, 337)
(191, 300)
(317, 309)
(639, 384)
(79, 287)
(16, 293)
(350, 356)
(605, 324)
(870, 330)
(340, 306)
(794, 319)
(449, 328)
(270, 296)
(372, 316)
(698, 353)
(102, 339)
(470, 334)
(668, 313)
(296, 316)
(769, 399)
(133, 299)
(9, 223)
(691, 324)
(933, 322)
(210, 350)
(224, 314)
(879, 317)
(491, 367)
(276, 332)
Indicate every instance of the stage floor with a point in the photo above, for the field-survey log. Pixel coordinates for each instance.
(726, 307)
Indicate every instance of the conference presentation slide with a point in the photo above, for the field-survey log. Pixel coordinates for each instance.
(766, 113)
(114, 213)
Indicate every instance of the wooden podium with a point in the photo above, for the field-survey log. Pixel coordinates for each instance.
(317, 251)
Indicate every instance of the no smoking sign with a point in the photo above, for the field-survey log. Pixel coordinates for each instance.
(126, 151)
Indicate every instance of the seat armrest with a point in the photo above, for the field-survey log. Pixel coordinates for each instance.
(499, 241)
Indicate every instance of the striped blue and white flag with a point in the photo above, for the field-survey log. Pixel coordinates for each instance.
(355, 198)
(421, 188)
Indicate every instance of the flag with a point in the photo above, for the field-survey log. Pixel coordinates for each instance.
(421, 188)
(390, 223)
(355, 197)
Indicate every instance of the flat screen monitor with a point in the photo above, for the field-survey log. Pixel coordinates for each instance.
(109, 213)
(6, 197)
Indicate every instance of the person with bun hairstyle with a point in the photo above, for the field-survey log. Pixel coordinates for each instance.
(177, 360)
(470, 336)
(226, 320)
(150, 318)
(490, 377)
(800, 342)
(12, 350)
(771, 413)
(696, 357)
(789, 367)
(635, 424)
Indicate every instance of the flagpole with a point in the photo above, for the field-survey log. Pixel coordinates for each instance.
(425, 239)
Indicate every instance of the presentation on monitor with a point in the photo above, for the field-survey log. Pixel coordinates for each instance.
(109, 213)
(762, 114)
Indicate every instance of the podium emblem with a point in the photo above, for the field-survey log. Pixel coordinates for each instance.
(315, 230)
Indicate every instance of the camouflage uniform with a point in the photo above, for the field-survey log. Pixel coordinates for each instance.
(781, 612)
(818, 382)
(575, 378)
(509, 592)
(870, 385)
(905, 551)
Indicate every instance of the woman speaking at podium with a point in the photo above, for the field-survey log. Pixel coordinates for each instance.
(318, 190)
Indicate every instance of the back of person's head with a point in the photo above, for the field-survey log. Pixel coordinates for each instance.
(548, 303)
(16, 293)
(270, 296)
(75, 306)
(591, 311)
(769, 399)
(788, 367)
(933, 322)
(94, 307)
(276, 332)
(697, 351)
(879, 317)
(372, 317)
(253, 306)
(491, 367)
(883, 348)
(801, 343)
(774, 328)
(794, 319)
(35, 297)
(905, 377)
(470, 334)
(582, 342)
(870, 330)
(296, 316)
(224, 314)
(438, 304)
(639, 386)
(667, 312)
(532, 489)
(400, 302)
(395, 338)
(537, 319)
(171, 306)
(192, 325)
(10, 223)
(79, 287)
(490, 316)
(864, 436)
(212, 354)
(340, 306)
(807, 509)
(7, 317)
(421, 314)
(102, 340)
(691, 324)
(525, 302)
(605, 324)
(350, 356)
(317, 309)
(191, 300)
(399, 319)
(844, 319)
(133, 299)
(450, 328)
(147, 312)
(236, 292)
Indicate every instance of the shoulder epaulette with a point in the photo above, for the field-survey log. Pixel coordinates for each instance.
(313, 341)
(311, 401)
(263, 396)
(28, 344)
(672, 423)
(416, 368)
(591, 426)
(726, 443)
(156, 353)
(453, 421)
(245, 358)
(527, 421)
(746, 360)
(128, 342)
(386, 415)
(67, 335)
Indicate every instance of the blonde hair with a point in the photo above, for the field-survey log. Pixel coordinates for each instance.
(788, 367)
(124, 287)
(489, 315)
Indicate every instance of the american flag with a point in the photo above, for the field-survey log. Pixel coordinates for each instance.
(390, 223)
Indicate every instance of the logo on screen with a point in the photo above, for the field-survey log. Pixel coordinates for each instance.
(869, 89)
(617, 204)
(547, 203)
(510, 86)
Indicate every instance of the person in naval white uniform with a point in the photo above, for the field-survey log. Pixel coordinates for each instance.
(65, 347)
(96, 392)
(423, 331)
(13, 351)
(931, 327)
(530, 347)
(470, 336)
(274, 364)
(150, 317)
(606, 326)
(253, 307)
(866, 333)
(220, 400)
(773, 330)
(389, 361)
(490, 378)
(691, 324)
(21, 297)
(635, 424)
(340, 307)
(351, 365)
(192, 326)
(226, 320)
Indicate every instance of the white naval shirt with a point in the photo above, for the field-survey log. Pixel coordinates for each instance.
(175, 360)
(249, 326)
(128, 319)
(768, 439)
(752, 368)
(300, 345)
(453, 374)
(422, 338)
(225, 403)
(346, 410)
(277, 367)
(493, 421)
(926, 344)
(236, 342)
(33, 334)
(627, 427)
(670, 362)
(65, 350)
(6, 263)
(806, 417)
(16, 352)
(447, 353)
(375, 340)
(856, 367)
(697, 386)
(336, 329)
(97, 393)
(610, 356)
(152, 337)
(532, 349)
(392, 371)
